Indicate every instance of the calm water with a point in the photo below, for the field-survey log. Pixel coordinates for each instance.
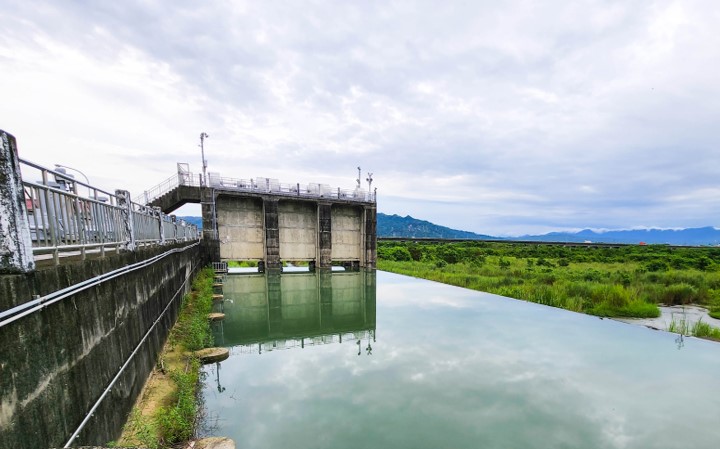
(440, 366)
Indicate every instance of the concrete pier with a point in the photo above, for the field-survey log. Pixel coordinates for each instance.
(15, 245)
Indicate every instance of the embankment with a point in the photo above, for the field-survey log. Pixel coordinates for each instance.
(57, 363)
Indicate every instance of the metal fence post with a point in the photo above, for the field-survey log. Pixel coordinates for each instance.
(125, 204)
(16, 254)
(173, 218)
(157, 212)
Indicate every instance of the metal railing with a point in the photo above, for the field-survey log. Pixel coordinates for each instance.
(257, 185)
(179, 179)
(269, 185)
(64, 219)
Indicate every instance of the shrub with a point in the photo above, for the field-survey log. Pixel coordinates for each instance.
(656, 265)
(592, 275)
(399, 254)
(679, 294)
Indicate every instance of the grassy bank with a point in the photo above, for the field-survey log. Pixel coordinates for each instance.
(165, 414)
(628, 281)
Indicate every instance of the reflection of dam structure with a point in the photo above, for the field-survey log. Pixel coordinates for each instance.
(274, 311)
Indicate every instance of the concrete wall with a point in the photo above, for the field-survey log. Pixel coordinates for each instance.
(277, 228)
(370, 236)
(298, 230)
(240, 228)
(346, 232)
(55, 363)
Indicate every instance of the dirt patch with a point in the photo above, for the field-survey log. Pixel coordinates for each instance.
(159, 391)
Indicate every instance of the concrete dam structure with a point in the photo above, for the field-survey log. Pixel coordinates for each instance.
(92, 281)
(263, 220)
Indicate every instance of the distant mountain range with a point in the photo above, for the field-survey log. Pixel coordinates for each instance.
(197, 221)
(397, 226)
(690, 236)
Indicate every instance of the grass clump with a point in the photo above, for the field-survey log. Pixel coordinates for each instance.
(144, 431)
(165, 414)
(176, 422)
(704, 330)
(699, 329)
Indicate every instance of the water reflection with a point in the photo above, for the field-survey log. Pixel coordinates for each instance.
(282, 311)
(453, 368)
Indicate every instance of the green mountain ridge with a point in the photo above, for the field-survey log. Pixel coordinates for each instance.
(397, 226)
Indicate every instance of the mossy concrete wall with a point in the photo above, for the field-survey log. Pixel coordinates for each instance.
(55, 363)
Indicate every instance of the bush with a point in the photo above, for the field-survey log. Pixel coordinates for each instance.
(592, 275)
(656, 265)
(679, 294)
(399, 254)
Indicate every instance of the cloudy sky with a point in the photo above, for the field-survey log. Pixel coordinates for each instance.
(502, 118)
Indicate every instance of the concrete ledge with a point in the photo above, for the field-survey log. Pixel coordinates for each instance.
(215, 443)
(212, 355)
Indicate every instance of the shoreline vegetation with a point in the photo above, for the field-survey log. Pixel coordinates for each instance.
(626, 281)
(167, 409)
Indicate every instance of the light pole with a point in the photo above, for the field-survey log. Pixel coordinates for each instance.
(369, 181)
(87, 181)
(203, 136)
(358, 178)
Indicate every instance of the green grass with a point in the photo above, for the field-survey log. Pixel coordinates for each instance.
(699, 329)
(174, 421)
(629, 281)
(704, 330)
(192, 332)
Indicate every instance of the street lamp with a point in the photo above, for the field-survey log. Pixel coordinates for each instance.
(369, 181)
(87, 181)
(203, 136)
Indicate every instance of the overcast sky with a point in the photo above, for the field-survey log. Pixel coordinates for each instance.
(502, 118)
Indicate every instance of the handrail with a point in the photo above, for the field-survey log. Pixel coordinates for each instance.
(259, 185)
(64, 176)
(178, 179)
(62, 220)
(273, 186)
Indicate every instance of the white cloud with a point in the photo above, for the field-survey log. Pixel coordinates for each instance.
(497, 118)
